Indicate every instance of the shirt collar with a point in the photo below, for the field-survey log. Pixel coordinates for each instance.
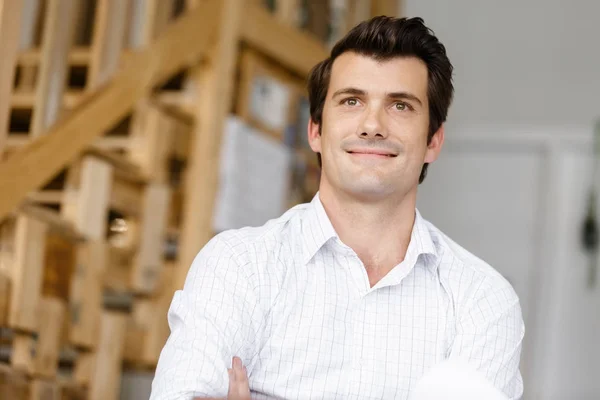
(318, 230)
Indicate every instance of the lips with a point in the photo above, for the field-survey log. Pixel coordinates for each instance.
(374, 152)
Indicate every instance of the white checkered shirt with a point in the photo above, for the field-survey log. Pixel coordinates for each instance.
(295, 304)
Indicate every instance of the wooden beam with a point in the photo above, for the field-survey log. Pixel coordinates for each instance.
(40, 389)
(57, 38)
(151, 141)
(287, 45)
(13, 384)
(87, 194)
(79, 56)
(106, 375)
(86, 294)
(10, 16)
(30, 242)
(288, 11)
(51, 321)
(384, 7)
(149, 258)
(4, 297)
(214, 85)
(126, 197)
(108, 40)
(32, 166)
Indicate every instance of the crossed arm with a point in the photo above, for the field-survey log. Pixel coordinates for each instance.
(239, 389)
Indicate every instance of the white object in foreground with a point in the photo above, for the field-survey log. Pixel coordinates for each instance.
(455, 380)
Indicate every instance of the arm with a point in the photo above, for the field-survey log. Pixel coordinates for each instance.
(214, 317)
(489, 337)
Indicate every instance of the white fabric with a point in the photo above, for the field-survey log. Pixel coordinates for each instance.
(455, 380)
(295, 304)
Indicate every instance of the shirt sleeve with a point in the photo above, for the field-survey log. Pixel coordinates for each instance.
(489, 336)
(213, 318)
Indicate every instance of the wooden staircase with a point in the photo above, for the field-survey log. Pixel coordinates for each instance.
(109, 170)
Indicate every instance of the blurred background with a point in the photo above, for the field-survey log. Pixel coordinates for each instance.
(132, 131)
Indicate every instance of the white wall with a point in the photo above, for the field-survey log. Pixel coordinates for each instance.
(518, 141)
(519, 62)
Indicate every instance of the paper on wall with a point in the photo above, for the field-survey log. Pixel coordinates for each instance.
(254, 177)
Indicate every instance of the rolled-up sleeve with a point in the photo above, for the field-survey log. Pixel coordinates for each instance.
(214, 317)
(489, 336)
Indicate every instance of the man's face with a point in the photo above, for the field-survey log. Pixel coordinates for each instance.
(373, 140)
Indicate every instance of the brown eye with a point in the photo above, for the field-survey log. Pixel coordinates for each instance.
(351, 102)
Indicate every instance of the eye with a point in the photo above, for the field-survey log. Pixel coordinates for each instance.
(400, 106)
(350, 102)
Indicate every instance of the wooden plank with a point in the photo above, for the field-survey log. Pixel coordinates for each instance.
(122, 167)
(157, 325)
(13, 384)
(52, 219)
(7, 254)
(27, 270)
(10, 16)
(84, 367)
(358, 11)
(318, 18)
(27, 99)
(31, 19)
(108, 40)
(86, 294)
(40, 389)
(385, 7)
(51, 317)
(288, 12)
(70, 390)
(76, 56)
(53, 69)
(4, 298)
(59, 266)
(149, 19)
(118, 270)
(214, 85)
(106, 375)
(105, 143)
(126, 197)
(152, 141)
(293, 49)
(23, 347)
(99, 111)
(149, 258)
(87, 193)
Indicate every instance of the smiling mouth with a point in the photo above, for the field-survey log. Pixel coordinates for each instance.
(372, 153)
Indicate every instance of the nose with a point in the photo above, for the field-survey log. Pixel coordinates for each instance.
(371, 125)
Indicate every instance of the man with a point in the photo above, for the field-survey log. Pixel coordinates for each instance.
(354, 295)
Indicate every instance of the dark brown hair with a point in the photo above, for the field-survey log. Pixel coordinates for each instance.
(384, 38)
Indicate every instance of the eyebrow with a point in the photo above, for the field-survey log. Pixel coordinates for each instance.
(392, 95)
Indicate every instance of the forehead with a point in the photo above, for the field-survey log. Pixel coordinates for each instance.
(399, 74)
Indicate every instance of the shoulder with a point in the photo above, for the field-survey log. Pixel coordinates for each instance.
(247, 243)
(252, 251)
(467, 277)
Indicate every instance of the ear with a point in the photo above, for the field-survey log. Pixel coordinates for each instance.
(314, 137)
(435, 146)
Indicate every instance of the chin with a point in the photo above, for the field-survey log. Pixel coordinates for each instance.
(369, 190)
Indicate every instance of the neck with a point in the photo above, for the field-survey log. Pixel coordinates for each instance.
(378, 231)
